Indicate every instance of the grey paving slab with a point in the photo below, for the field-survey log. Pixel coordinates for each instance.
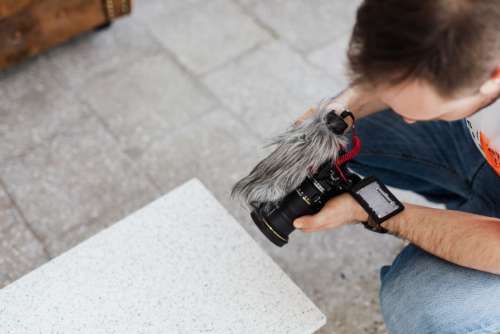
(207, 34)
(146, 10)
(27, 121)
(179, 265)
(270, 87)
(20, 251)
(34, 76)
(78, 177)
(216, 148)
(103, 51)
(333, 58)
(306, 25)
(150, 99)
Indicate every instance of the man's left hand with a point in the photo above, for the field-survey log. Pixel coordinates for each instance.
(338, 211)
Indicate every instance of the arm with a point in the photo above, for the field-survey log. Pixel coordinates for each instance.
(360, 100)
(462, 238)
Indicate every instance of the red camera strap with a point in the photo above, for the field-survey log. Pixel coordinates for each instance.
(349, 155)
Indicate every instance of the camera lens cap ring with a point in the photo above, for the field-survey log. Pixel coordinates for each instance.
(268, 230)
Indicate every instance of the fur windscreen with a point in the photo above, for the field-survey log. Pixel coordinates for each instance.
(299, 152)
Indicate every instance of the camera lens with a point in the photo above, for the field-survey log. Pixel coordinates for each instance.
(278, 224)
(268, 230)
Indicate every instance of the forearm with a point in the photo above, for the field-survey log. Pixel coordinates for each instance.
(465, 239)
(361, 101)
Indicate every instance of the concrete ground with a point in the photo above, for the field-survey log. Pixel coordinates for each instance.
(95, 129)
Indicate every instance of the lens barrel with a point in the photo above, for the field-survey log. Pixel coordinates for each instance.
(278, 224)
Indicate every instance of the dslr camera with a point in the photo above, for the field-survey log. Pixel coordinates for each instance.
(307, 168)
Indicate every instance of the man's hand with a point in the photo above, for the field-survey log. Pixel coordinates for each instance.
(362, 101)
(338, 211)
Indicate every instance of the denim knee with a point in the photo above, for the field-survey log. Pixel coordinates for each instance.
(421, 293)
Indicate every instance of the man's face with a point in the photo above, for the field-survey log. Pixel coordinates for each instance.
(419, 101)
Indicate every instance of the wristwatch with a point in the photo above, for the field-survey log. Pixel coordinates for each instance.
(378, 202)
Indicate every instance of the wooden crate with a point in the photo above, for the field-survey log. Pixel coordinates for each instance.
(28, 27)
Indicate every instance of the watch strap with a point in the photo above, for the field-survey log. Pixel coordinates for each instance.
(372, 225)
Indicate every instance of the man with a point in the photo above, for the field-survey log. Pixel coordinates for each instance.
(431, 66)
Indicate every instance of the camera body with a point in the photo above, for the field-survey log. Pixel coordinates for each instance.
(275, 220)
(307, 168)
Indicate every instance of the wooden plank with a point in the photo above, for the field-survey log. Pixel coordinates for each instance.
(34, 26)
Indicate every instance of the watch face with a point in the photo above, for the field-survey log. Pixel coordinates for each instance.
(377, 199)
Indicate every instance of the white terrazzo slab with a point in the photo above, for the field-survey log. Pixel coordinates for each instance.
(179, 265)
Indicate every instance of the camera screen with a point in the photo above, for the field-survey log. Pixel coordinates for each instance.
(380, 201)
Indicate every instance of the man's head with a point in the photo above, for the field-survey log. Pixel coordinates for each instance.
(428, 59)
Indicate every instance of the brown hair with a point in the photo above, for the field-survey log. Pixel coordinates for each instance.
(451, 44)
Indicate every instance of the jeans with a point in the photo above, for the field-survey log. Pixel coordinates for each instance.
(421, 293)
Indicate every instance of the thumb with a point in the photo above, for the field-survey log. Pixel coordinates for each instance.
(302, 221)
(308, 221)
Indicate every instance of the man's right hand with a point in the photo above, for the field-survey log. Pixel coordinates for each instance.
(360, 100)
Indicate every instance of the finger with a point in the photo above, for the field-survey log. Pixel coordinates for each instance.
(304, 116)
(315, 229)
(310, 222)
(303, 222)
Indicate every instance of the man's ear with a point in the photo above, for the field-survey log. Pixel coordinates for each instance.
(492, 86)
(496, 73)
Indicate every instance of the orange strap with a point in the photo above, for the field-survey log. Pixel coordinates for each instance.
(492, 156)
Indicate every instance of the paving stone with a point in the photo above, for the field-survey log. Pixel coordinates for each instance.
(270, 87)
(149, 100)
(101, 51)
(34, 76)
(333, 58)
(20, 251)
(78, 177)
(28, 121)
(207, 34)
(146, 10)
(305, 24)
(216, 148)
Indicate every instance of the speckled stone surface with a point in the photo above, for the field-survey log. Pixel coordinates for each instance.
(180, 265)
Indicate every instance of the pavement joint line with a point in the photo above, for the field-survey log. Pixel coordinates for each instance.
(248, 12)
(254, 49)
(25, 221)
(51, 56)
(47, 140)
(303, 54)
(277, 36)
(237, 58)
(137, 168)
(243, 11)
(192, 76)
(325, 44)
(198, 82)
